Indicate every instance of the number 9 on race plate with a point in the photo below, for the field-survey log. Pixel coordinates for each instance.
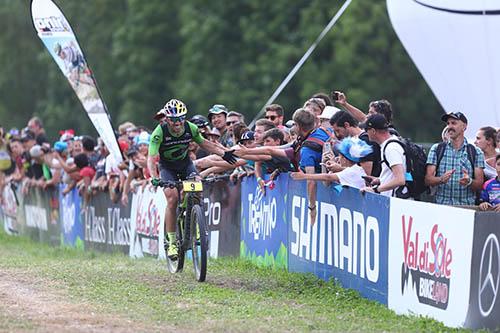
(192, 186)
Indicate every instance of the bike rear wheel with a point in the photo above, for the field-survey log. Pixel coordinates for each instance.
(199, 242)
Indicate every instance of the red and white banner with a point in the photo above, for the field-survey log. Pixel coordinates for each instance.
(430, 249)
(59, 39)
(147, 217)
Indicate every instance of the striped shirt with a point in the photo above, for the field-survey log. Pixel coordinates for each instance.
(452, 193)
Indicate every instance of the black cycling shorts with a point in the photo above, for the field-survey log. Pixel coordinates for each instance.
(169, 174)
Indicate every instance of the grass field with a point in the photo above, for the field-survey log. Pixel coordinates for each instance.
(116, 293)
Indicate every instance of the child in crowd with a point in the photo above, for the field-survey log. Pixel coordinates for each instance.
(490, 195)
(351, 151)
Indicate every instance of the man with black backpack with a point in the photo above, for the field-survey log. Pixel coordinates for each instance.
(393, 177)
(455, 167)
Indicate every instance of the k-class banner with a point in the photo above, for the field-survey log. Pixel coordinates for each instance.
(59, 39)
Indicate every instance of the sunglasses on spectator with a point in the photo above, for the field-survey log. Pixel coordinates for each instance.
(177, 119)
(271, 117)
(229, 123)
(77, 138)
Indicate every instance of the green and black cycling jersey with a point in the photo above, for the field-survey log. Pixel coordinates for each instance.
(172, 148)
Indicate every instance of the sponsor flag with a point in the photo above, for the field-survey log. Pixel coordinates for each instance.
(59, 39)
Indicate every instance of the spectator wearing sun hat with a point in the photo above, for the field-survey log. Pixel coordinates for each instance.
(217, 117)
(142, 142)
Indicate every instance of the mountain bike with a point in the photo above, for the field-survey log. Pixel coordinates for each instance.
(191, 227)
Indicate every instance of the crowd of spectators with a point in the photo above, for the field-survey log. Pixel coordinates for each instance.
(327, 139)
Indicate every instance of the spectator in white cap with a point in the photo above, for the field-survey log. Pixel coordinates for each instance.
(326, 115)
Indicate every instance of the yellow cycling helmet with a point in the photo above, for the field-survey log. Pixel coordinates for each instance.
(174, 108)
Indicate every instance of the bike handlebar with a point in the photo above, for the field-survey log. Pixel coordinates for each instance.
(178, 183)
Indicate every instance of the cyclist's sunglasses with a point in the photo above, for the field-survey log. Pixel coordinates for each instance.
(177, 119)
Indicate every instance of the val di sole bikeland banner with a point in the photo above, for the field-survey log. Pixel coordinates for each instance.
(106, 224)
(348, 241)
(484, 304)
(430, 260)
(146, 223)
(41, 215)
(222, 205)
(59, 39)
(72, 228)
(264, 223)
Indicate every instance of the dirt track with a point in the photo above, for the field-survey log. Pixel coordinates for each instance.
(29, 303)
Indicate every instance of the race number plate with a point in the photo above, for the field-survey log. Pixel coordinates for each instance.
(190, 186)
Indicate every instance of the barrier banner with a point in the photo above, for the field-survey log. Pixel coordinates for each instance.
(348, 241)
(106, 224)
(484, 304)
(222, 206)
(430, 255)
(10, 207)
(146, 223)
(72, 230)
(41, 213)
(264, 226)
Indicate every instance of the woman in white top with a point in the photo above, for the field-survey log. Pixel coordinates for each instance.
(486, 140)
(351, 151)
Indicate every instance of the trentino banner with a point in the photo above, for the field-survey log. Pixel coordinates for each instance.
(59, 39)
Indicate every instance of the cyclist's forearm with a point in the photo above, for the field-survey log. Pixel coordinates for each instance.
(152, 167)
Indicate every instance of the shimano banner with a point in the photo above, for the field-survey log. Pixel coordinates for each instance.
(429, 260)
(59, 39)
(348, 240)
(264, 222)
(484, 304)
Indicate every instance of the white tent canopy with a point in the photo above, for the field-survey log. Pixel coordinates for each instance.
(456, 46)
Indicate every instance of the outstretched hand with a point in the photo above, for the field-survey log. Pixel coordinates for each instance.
(229, 157)
(298, 175)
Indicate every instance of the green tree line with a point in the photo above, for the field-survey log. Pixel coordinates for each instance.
(235, 53)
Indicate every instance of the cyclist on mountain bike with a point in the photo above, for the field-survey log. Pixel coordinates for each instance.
(170, 140)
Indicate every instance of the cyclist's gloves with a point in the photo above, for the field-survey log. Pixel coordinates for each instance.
(229, 157)
(155, 181)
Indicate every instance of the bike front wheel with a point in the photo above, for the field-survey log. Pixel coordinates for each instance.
(175, 266)
(199, 242)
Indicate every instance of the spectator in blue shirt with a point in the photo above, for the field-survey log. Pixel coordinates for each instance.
(311, 149)
(490, 196)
